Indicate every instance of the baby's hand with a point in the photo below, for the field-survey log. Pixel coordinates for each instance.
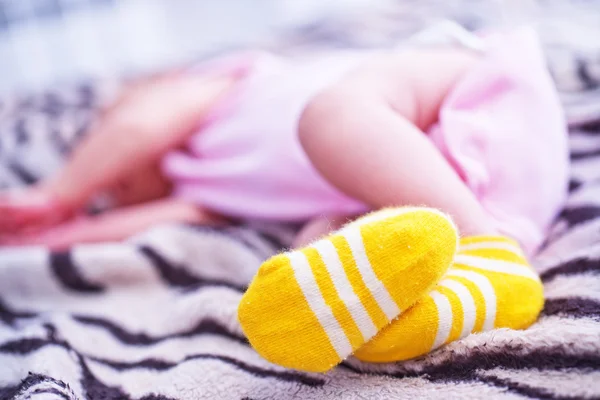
(31, 210)
(58, 236)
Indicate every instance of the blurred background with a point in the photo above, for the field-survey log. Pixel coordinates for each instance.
(47, 41)
(44, 42)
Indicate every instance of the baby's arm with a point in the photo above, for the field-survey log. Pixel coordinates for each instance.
(365, 135)
(154, 118)
(147, 121)
(114, 225)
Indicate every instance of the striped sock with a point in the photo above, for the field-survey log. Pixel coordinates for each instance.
(309, 309)
(490, 285)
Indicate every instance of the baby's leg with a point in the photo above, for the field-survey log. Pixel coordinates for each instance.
(114, 225)
(374, 149)
(371, 152)
(378, 155)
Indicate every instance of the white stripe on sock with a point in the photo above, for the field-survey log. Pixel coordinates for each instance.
(377, 288)
(513, 248)
(467, 302)
(487, 291)
(504, 267)
(310, 289)
(334, 266)
(444, 310)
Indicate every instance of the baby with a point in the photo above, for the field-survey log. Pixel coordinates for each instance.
(472, 128)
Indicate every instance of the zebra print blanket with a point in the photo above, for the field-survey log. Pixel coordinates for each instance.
(155, 317)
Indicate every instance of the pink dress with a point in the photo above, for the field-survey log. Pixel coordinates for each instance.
(501, 128)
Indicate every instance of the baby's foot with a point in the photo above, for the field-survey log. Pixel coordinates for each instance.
(311, 308)
(31, 210)
(490, 285)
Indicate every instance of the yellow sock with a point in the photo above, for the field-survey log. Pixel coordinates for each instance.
(309, 309)
(490, 285)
